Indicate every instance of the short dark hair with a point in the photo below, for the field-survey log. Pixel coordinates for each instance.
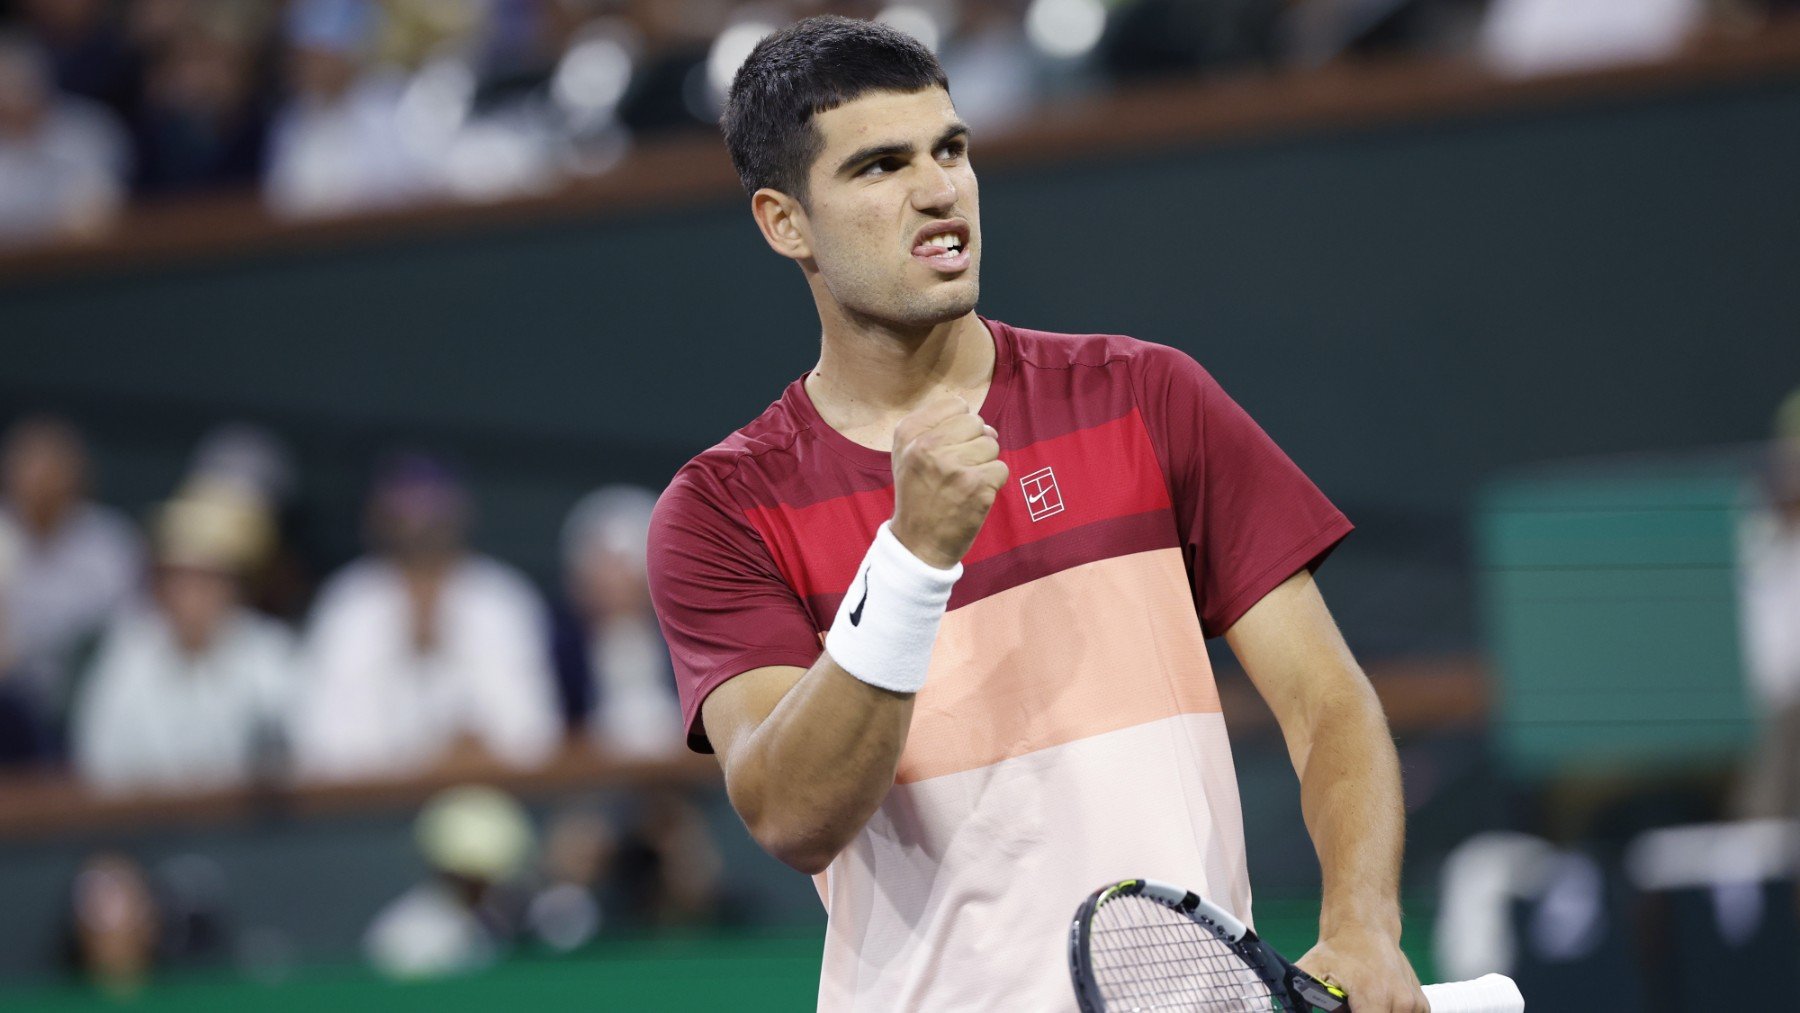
(806, 68)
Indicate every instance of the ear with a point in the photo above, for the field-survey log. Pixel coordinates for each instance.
(783, 223)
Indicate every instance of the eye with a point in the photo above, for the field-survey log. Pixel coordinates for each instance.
(950, 151)
(881, 167)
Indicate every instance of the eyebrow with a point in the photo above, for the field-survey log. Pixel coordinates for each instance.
(875, 151)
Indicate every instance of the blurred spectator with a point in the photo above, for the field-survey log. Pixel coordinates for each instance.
(663, 871)
(413, 32)
(1539, 36)
(114, 928)
(998, 75)
(1156, 38)
(63, 160)
(188, 691)
(477, 841)
(338, 144)
(424, 647)
(669, 88)
(203, 124)
(258, 464)
(1318, 31)
(612, 666)
(89, 53)
(668, 865)
(19, 728)
(1769, 596)
(77, 561)
(577, 860)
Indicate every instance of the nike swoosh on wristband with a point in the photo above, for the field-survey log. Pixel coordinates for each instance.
(856, 613)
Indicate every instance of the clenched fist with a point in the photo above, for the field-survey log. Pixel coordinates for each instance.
(947, 471)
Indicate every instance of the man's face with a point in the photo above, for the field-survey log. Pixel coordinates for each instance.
(892, 217)
(606, 583)
(196, 602)
(42, 476)
(418, 521)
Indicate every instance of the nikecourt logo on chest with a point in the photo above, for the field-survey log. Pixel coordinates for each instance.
(1042, 497)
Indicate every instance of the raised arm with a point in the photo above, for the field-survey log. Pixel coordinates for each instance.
(1350, 789)
(810, 753)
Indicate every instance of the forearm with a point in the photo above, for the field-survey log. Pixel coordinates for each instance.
(813, 772)
(1350, 794)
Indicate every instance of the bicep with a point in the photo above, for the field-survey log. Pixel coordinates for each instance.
(739, 706)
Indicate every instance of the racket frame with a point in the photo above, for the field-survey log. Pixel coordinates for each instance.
(1299, 990)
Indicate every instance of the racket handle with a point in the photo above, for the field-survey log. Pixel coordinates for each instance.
(1490, 993)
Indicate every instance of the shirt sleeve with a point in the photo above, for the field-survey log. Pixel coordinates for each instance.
(107, 739)
(722, 602)
(1248, 517)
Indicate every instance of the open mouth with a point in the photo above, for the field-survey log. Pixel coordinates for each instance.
(943, 245)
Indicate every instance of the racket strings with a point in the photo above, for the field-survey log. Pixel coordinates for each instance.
(1146, 956)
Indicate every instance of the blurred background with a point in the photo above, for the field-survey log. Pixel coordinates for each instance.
(344, 345)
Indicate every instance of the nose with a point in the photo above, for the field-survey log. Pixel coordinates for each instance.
(936, 190)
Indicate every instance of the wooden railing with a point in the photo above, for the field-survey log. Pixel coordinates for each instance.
(49, 804)
(1420, 695)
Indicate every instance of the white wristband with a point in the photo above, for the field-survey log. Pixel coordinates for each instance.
(889, 617)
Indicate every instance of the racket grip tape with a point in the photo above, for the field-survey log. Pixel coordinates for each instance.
(1490, 993)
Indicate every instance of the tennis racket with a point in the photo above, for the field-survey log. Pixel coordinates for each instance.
(1143, 945)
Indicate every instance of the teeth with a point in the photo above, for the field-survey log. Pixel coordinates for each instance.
(946, 241)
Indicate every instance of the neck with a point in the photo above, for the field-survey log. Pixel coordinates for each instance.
(42, 523)
(426, 567)
(872, 374)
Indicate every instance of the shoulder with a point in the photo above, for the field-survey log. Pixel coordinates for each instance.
(729, 477)
(357, 582)
(260, 633)
(135, 626)
(1056, 350)
(497, 581)
(104, 526)
(87, 127)
(771, 435)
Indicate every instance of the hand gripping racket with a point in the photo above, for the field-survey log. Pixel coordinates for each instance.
(1143, 945)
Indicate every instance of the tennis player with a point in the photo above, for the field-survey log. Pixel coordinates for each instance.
(941, 609)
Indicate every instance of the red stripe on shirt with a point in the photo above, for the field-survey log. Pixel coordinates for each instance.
(1102, 472)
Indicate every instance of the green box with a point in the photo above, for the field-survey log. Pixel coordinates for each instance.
(1609, 597)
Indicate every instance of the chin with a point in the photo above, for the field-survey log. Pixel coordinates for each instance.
(948, 301)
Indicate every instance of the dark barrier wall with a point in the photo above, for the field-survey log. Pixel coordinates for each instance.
(1407, 309)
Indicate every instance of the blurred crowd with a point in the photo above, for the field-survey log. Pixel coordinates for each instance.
(337, 106)
(196, 654)
(494, 885)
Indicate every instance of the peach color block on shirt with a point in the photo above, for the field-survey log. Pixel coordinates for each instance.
(1085, 651)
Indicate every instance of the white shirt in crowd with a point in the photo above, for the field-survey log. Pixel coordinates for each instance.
(151, 715)
(638, 714)
(61, 589)
(1769, 574)
(373, 706)
(352, 154)
(67, 177)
